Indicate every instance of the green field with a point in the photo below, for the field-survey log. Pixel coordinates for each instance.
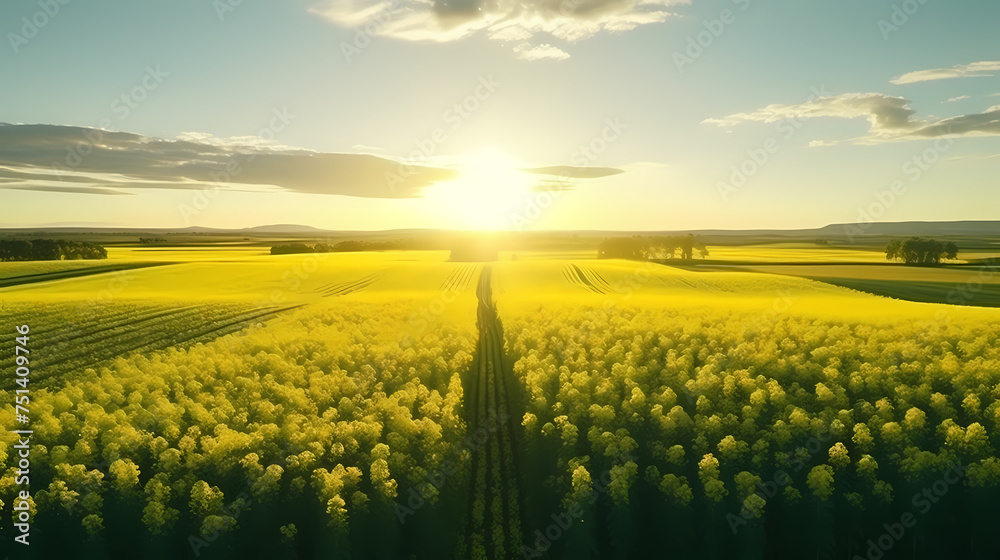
(956, 285)
(797, 252)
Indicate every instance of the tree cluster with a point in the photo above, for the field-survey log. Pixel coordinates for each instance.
(49, 250)
(920, 251)
(652, 247)
(356, 246)
(293, 249)
(340, 247)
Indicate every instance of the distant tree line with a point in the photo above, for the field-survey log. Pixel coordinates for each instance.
(652, 247)
(355, 246)
(294, 249)
(341, 247)
(152, 240)
(920, 251)
(49, 250)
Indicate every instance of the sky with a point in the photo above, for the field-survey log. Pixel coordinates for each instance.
(495, 114)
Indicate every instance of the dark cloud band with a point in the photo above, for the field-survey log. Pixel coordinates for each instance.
(105, 162)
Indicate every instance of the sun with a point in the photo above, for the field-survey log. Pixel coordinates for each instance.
(489, 191)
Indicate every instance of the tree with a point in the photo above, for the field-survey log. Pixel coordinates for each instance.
(291, 249)
(624, 248)
(16, 250)
(49, 250)
(643, 248)
(687, 247)
(920, 251)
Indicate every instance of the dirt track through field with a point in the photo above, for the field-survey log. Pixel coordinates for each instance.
(496, 520)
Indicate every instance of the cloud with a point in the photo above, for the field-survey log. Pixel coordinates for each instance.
(502, 20)
(976, 69)
(973, 158)
(67, 189)
(959, 98)
(883, 111)
(890, 118)
(102, 162)
(562, 178)
(573, 172)
(821, 143)
(552, 186)
(526, 51)
(986, 123)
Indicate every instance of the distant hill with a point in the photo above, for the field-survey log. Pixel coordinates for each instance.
(871, 232)
(282, 228)
(844, 231)
(968, 227)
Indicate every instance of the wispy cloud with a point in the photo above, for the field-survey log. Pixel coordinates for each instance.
(364, 148)
(502, 20)
(973, 158)
(526, 51)
(559, 178)
(890, 118)
(959, 98)
(973, 70)
(575, 172)
(50, 158)
(65, 189)
(883, 111)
